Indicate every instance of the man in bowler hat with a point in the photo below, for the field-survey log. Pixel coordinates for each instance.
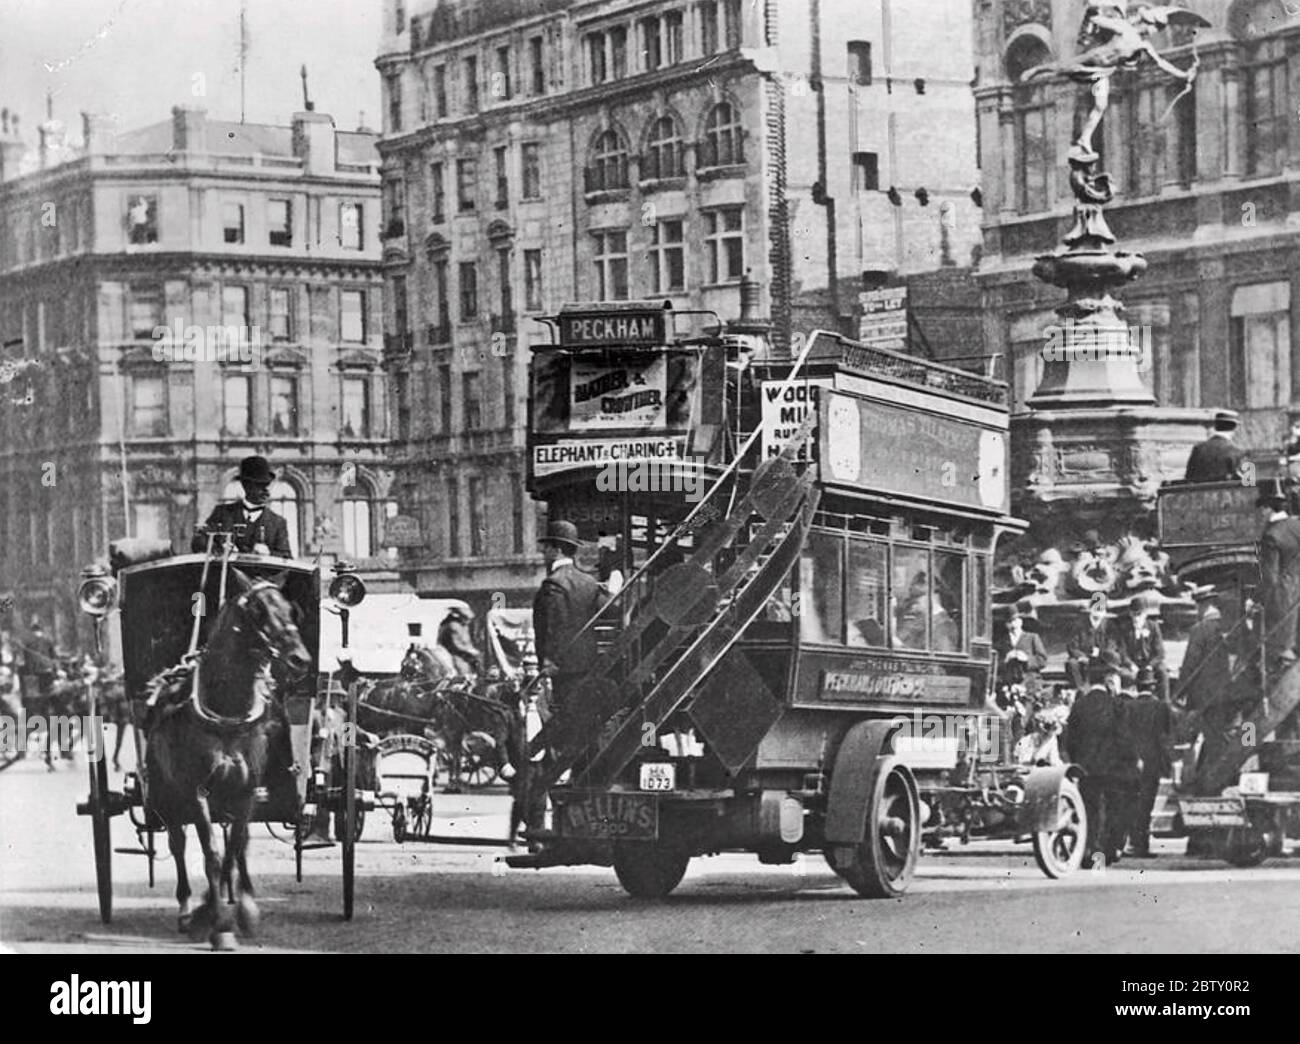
(1149, 723)
(1216, 459)
(567, 599)
(1205, 678)
(1279, 566)
(254, 527)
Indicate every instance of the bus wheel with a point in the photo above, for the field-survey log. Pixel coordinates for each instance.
(649, 871)
(881, 865)
(1059, 851)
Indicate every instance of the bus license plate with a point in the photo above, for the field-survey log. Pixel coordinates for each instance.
(1213, 812)
(658, 775)
(613, 816)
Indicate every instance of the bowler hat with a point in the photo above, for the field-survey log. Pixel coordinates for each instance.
(561, 533)
(256, 469)
(1271, 493)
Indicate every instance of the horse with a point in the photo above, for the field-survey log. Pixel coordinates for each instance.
(206, 755)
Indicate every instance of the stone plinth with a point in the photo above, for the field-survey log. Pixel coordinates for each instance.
(1076, 469)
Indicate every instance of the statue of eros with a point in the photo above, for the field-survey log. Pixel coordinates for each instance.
(1116, 38)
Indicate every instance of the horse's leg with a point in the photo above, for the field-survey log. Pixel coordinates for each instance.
(176, 843)
(246, 913)
(213, 913)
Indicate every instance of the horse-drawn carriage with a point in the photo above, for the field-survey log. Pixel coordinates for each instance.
(220, 676)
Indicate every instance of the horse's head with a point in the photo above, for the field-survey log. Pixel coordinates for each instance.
(262, 606)
(417, 664)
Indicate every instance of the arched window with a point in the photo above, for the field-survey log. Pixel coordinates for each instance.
(358, 527)
(663, 154)
(284, 502)
(608, 168)
(1025, 53)
(722, 137)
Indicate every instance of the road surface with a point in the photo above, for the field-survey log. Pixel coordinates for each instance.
(423, 898)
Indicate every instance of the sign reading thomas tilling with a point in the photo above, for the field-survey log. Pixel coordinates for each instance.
(628, 394)
(878, 446)
(613, 329)
(784, 412)
(884, 318)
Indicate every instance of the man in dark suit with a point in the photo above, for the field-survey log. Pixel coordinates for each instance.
(1150, 724)
(254, 527)
(1140, 642)
(1205, 678)
(529, 713)
(1093, 638)
(1216, 459)
(1279, 566)
(1096, 740)
(567, 599)
(39, 665)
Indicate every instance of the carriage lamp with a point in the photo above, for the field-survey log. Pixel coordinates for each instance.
(347, 588)
(98, 591)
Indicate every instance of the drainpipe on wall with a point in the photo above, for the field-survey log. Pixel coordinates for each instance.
(819, 194)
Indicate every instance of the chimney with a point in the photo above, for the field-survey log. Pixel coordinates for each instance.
(313, 141)
(99, 131)
(11, 146)
(189, 129)
(52, 137)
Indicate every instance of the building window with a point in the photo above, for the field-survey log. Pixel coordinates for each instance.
(146, 311)
(501, 78)
(733, 34)
(442, 333)
(232, 222)
(667, 256)
(663, 155)
(609, 163)
(148, 405)
(395, 204)
(724, 242)
(536, 65)
(471, 83)
(237, 405)
(468, 290)
(356, 407)
(466, 177)
(438, 192)
(477, 517)
(472, 389)
(234, 307)
(281, 319)
(401, 313)
(722, 137)
(350, 236)
(279, 222)
(357, 532)
(532, 280)
(453, 517)
(661, 40)
(709, 36)
(503, 181)
(284, 405)
(860, 63)
(1035, 156)
(402, 393)
(440, 91)
(142, 219)
(394, 85)
(444, 397)
(1183, 368)
(150, 521)
(1260, 346)
(866, 172)
(611, 265)
(652, 51)
(352, 316)
(506, 285)
(284, 502)
(1267, 109)
(531, 153)
(1145, 139)
(597, 70)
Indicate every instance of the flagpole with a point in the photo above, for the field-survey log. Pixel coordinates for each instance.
(243, 53)
(121, 445)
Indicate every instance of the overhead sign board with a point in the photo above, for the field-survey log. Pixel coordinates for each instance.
(784, 410)
(613, 329)
(631, 393)
(1217, 514)
(884, 318)
(566, 454)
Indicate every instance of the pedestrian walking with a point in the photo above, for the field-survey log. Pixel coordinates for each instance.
(567, 599)
(1149, 723)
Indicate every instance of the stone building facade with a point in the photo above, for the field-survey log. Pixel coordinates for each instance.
(1207, 187)
(582, 150)
(257, 247)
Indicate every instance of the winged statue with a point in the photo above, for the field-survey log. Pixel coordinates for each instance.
(1116, 37)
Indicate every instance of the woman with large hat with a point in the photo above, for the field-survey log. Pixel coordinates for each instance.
(254, 528)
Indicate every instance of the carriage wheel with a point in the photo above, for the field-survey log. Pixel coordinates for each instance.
(349, 810)
(475, 769)
(340, 826)
(881, 865)
(648, 870)
(1059, 851)
(101, 825)
(399, 823)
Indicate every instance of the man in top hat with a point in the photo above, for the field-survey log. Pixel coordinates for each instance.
(1094, 637)
(1150, 725)
(254, 527)
(1205, 678)
(1140, 642)
(1095, 739)
(1216, 459)
(1279, 566)
(566, 600)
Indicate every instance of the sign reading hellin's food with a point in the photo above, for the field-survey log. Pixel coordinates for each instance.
(626, 394)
